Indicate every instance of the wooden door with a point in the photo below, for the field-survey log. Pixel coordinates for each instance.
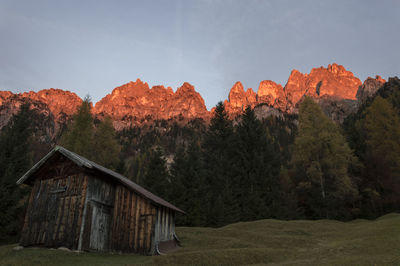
(100, 229)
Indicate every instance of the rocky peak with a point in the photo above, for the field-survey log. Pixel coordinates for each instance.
(337, 69)
(4, 95)
(135, 102)
(251, 96)
(187, 103)
(239, 99)
(55, 107)
(237, 96)
(268, 87)
(59, 101)
(334, 80)
(369, 88)
(185, 88)
(270, 92)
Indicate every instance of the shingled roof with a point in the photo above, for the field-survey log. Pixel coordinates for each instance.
(83, 162)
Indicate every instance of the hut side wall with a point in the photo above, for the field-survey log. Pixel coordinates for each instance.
(55, 207)
(133, 222)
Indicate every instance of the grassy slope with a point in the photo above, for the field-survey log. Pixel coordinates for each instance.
(359, 242)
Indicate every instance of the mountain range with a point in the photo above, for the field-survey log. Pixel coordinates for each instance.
(336, 89)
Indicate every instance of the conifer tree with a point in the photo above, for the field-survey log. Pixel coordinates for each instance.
(257, 166)
(15, 160)
(217, 153)
(320, 165)
(105, 145)
(188, 185)
(156, 178)
(79, 135)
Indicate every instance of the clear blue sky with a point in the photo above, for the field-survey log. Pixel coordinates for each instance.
(91, 47)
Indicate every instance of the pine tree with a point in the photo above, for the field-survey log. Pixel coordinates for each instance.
(105, 145)
(188, 185)
(217, 153)
(79, 135)
(320, 165)
(157, 178)
(15, 160)
(257, 166)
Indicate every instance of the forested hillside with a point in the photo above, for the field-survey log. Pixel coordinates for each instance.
(246, 168)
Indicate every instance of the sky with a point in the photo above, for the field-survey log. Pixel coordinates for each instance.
(92, 46)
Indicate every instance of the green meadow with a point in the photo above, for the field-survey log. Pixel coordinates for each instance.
(263, 242)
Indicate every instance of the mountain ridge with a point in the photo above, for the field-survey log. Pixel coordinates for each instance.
(134, 103)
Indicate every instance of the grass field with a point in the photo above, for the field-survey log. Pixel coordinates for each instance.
(323, 242)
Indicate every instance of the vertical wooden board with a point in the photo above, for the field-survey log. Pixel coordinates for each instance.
(35, 221)
(60, 217)
(25, 229)
(166, 224)
(137, 220)
(148, 226)
(93, 236)
(75, 228)
(173, 222)
(70, 226)
(51, 214)
(152, 232)
(81, 206)
(87, 227)
(132, 221)
(127, 220)
(163, 223)
(118, 217)
(37, 217)
(158, 225)
(142, 225)
(170, 224)
(64, 225)
(115, 219)
(122, 218)
(83, 217)
(144, 221)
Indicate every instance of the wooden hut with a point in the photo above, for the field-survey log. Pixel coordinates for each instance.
(78, 204)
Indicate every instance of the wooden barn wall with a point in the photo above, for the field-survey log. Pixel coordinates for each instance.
(133, 222)
(55, 207)
(165, 224)
(98, 214)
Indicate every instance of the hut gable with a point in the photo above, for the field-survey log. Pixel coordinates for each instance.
(84, 206)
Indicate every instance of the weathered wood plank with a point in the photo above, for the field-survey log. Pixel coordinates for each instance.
(148, 226)
(115, 220)
(142, 222)
(82, 210)
(137, 217)
(128, 220)
(87, 227)
(132, 221)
